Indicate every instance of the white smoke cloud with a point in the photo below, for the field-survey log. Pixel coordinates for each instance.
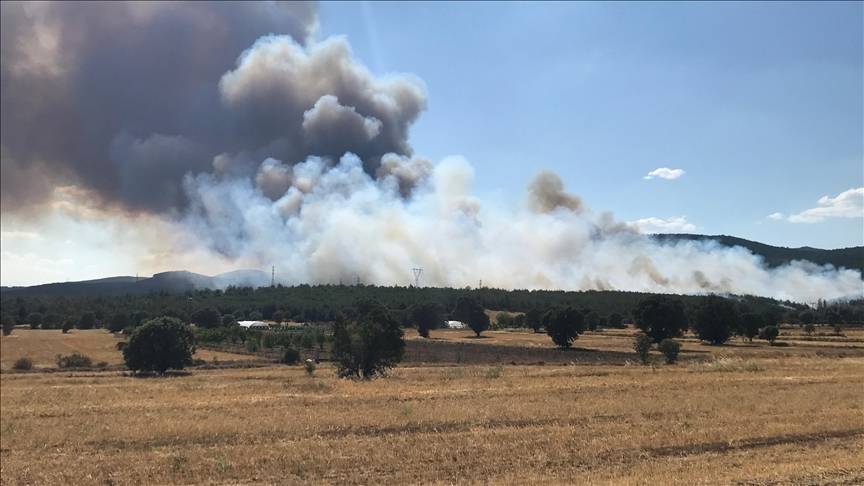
(665, 173)
(341, 223)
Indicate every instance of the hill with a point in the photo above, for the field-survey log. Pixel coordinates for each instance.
(775, 256)
(183, 281)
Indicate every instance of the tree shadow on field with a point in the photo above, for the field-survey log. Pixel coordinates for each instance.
(477, 337)
(153, 374)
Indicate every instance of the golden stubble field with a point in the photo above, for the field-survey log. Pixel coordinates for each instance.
(765, 415)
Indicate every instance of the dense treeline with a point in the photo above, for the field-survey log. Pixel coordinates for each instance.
(306, 303)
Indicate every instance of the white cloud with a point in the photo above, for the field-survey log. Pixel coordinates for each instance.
(777, 216)
(847, 204)
(665, 173)
(677, 224)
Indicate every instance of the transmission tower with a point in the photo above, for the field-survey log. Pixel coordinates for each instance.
(273, 276)
(417, 273)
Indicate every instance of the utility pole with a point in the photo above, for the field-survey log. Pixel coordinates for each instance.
(273, 276)
(417, 273)
(481, 284)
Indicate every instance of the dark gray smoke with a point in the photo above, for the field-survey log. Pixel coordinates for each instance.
(124, 99)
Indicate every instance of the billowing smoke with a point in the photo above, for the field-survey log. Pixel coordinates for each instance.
(253, 142)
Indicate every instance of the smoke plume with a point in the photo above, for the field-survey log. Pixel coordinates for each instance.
(238, 137)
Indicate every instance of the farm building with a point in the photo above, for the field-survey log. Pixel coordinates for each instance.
(253, 324)
(454, 325)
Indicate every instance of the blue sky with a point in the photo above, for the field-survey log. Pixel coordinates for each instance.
(759, 103)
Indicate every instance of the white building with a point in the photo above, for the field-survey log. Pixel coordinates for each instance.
(253, 325)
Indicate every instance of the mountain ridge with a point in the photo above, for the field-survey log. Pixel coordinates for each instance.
(183, 281)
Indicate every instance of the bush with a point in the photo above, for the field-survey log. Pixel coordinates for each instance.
(160, 344)
(8, 325)
(769, 333)
(368, 344)
(119, 322)
(102, 364)
(615, 320)
(471, 313)
(87, 321)
(642, 346)
(564, 325)
(309, 366)
(74, 360)
(534, 319)
(838, 331)
(207, 318)
(121, 345)
(291, 356)
(670, 349)
(660, 317)
(35, 320)
(749, 325)
(592, 320)
(67, 326)
(714, 319)
(809, 329)
(23, 364)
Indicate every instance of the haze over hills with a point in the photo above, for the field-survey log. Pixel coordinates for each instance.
(182, 281)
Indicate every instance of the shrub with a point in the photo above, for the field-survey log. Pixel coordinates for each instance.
(670, 349)
(291, 356)
(160, 344)
(35, 320)
(102, 364)
(67, 326)
(564, 325)
(714, 319)
(309, 366)
(769, 333)
(87, 321)
(660, 317)
(615, 320)
(74, 360)
(534, 319)
(121, 345)
(23, 364)
(838, 331)
(592, 320)
(119, 322)
(642, 346)
(809, 329)
(471, 313)
(368, 344)
(207, 318)
(8, 325)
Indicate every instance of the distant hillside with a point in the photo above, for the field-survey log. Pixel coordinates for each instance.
(775, 256)
(171, 282)
(181, 281)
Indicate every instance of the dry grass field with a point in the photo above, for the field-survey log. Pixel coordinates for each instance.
(43, 346)
(739, 414)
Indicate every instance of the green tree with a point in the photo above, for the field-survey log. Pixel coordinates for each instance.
(87, 321)
(8, 324)
(119, 321)
(471, 313)
(749, 325)
(367, 344)
(35, 320)
(51, 321)
(660, 317)
(228, 320)
(592, 320)
(769, 333)
(425, 317)
(534, 319)
(670, 349)
(159, 345)
(615, 320)
(642, 346)
(714, 319)
(207, 318)
(563, 325)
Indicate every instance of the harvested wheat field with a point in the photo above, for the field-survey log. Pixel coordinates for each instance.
(43, 346)
(792, 419)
